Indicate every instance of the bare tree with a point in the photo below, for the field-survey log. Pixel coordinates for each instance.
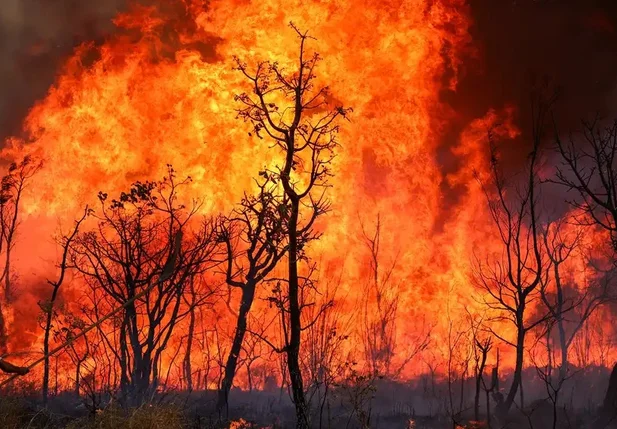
(457, 363)
(588, 168)
(545, 371)
(380, 312)
(306, 138)
(379, 323)
(48, 307)
(324, 359)
(253, 352)
(12, 186)
(255, 239)
(481, 346)
(569, 306)
(65, 332)
(484, 347)
(514, 279)
(140, 258)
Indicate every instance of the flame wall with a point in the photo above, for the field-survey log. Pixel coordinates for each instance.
(161, 91)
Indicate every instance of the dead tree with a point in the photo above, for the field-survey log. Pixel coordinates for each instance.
(380, 311)
(48, 307)
(515, 277)
(65, 333)
(483, 347)
(146, 248)
(199, 295)
(12, 187)
(588, 168)
(190, 299)
(288, 110)
(457, 355)
(255, 240)
(480, 350)
(252, 349)
(569, 306)
(328, 329)
(379, 323)
(545, 371)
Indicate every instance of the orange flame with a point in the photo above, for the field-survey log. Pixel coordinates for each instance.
(162, 91)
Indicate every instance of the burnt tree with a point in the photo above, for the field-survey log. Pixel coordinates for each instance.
(199, 293)
(255, 240)
(12, 187)
(514, 278)
(569, 305)
(481, 346)
(588, 168)
(48, 306)
(141, 256)
(290, 111)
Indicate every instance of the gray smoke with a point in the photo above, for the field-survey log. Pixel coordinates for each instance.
(570, 43)
(35, 36)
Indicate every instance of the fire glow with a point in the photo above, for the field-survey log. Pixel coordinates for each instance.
(161, 91)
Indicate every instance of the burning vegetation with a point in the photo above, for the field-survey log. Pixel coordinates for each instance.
(232, 214)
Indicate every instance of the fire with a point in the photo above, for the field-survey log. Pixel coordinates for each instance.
(161, 91)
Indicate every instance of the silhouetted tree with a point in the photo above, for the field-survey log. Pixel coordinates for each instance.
(141, 257)
(481, 345)
(48, 306)
(515, 277)
(380, 308)
(324, 359)
(12, 186)
(546, 370)
(306, 138)
(198, 295)
(255, 239)
(569, 305)
(588, 168)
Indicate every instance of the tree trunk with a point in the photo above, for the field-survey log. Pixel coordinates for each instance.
(3, 331)
(608, 411)
(293, 348)
(479, 375)
(248, 294)
(476, 401)
(521, 390)
(518, 371)
(488, 410)
(563, 368)
(555, 401)
(48, 323)
(77, 376)
(186, 365)
(7, 274)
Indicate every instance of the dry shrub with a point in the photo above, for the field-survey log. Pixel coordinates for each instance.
(13, 413)
(145, 417)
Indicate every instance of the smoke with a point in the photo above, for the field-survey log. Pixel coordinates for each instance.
(35, 36)
(570, 43)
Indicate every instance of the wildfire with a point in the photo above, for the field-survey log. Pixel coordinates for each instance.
(161, 91)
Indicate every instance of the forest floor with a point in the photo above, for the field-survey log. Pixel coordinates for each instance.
(422, 404)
